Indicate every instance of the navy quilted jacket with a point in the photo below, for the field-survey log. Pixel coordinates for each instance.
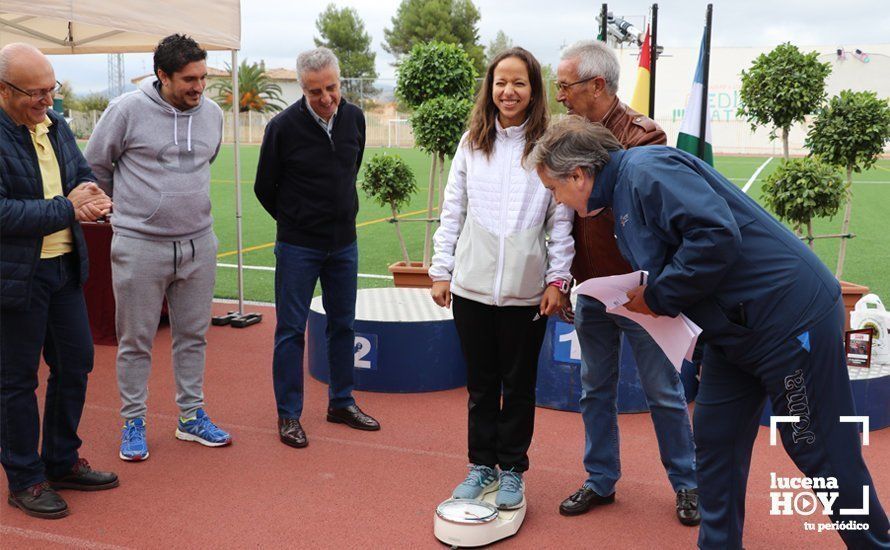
(25, 216)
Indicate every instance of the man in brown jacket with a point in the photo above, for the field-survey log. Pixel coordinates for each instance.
(588, 84)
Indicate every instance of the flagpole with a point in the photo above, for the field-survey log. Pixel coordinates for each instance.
(706, 62)
(604, 15)
(653, 59)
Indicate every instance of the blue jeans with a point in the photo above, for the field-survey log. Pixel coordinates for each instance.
(297, 269)
(56, 322)
(599, 337)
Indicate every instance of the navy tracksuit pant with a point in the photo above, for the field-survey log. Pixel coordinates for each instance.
(806, 377)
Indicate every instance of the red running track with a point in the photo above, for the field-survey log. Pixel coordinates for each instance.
(352, 489)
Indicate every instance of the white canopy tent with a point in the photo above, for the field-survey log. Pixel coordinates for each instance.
(128, 26)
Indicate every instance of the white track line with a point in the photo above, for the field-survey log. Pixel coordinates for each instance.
(58, 539)
(269, 268)
(755, 174)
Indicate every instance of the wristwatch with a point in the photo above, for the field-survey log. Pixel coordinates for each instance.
(560, 284)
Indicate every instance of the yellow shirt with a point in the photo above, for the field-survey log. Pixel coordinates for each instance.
(60, 242)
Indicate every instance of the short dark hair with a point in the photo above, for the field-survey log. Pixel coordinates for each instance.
(175, 52)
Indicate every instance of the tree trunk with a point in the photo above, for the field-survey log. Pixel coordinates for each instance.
(395, 216)
(442, 184)
(430, 197)
(810, 240)
(845, 227)
(785, 143)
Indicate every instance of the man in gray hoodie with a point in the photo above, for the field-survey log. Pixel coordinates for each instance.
(151, 152)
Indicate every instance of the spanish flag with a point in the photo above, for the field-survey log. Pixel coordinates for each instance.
(640, 101)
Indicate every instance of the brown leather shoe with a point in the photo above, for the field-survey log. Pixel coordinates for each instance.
(353, 417)
(39, 501)
(290, 432)
(83, 478)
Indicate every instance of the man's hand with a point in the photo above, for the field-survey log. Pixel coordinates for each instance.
(441, 293)
(89, 201)
(637, 302)
(552, 300)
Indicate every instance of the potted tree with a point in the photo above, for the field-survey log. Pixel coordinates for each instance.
(436, 80)
(389, 181)
(850, 132)
(781, 88)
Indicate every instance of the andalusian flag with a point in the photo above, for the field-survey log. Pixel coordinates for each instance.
(640, 100)
(688, 139)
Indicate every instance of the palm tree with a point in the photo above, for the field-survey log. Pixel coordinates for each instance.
(258, 92)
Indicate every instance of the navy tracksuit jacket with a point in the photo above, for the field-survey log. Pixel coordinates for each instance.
(772, 322)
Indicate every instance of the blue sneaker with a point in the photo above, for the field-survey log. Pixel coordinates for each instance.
(202, 430)
(511, 494)
(134, 448)
(480, 481)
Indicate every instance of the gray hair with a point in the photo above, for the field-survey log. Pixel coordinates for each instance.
(316, 60)
(595, 59)
(573, 142)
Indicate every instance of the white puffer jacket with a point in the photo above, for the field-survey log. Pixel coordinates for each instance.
(502, 236)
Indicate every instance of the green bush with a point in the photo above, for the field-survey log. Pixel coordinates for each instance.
(432, 70)
(803, 189)
(389, 181)
(850, 131)
(781, 88)
(439, 123)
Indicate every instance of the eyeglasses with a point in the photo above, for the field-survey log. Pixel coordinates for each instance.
(562, 86)
(35, 94)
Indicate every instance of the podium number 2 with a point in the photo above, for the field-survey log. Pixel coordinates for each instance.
(362, 348)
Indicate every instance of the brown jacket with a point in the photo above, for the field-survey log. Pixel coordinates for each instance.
(596, 253)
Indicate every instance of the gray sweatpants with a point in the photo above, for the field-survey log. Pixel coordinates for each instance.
(142, 273)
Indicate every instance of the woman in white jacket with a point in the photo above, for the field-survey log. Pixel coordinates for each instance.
(502, 257)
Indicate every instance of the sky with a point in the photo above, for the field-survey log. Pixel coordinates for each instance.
(277, 30)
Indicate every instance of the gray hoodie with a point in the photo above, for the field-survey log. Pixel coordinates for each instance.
(154, 161)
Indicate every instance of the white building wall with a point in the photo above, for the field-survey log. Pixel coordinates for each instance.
(676, 68)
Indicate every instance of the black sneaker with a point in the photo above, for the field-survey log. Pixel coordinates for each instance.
(583, 500)
(39, 501)
(687, 507)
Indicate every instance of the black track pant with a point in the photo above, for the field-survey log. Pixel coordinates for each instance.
(501, 347)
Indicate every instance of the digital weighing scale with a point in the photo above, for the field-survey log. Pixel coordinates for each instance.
(465, 523)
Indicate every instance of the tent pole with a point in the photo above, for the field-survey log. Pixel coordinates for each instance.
(236, 104)
(237, 319)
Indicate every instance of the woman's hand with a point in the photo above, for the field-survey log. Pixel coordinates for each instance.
(552, 301)
(441, 293)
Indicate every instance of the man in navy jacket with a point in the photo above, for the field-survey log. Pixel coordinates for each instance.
(770, 311)
(305, 179)
(46, 187)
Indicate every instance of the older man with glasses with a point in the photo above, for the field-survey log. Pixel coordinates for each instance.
(587, 85)
(46, 187)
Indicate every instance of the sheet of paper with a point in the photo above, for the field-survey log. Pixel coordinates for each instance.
(675, 335)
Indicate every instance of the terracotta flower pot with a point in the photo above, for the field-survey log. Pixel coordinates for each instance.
(851, 293)
(410, 276)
